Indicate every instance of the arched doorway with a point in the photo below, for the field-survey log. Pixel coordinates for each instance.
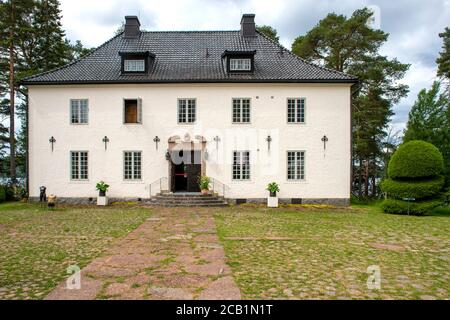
(186, 162)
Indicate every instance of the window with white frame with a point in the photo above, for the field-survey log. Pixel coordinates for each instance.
(296, 165)
(79, 165)
(240, 64)
(241, 165)
(79, 111)
(132, 161)
(186, 111)
(296, 110)
(241, 110)
(134, 65)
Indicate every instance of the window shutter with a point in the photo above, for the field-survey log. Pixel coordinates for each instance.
(139, 110)
(123, 111)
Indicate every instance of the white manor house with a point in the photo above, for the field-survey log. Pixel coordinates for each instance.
(149, 112)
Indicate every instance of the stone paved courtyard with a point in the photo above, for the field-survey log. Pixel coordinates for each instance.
(174, 254)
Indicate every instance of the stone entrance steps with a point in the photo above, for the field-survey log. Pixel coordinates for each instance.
(187, 200)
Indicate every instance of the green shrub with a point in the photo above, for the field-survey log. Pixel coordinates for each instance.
(2, 194)
(415, 208)
(416, 159)
(418, 189)
(9, 192)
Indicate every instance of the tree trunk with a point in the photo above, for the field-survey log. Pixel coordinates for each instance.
(360, 178)
(12, 141)
(366, 180)
(374, 180)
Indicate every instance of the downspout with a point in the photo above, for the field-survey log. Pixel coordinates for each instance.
(353, 90)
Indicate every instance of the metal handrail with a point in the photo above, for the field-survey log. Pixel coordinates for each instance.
(218, 186)
(158, 182)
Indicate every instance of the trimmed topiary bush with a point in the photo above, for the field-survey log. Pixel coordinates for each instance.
(415, 171)
(415, 208)
(420, 189)
(416, 159)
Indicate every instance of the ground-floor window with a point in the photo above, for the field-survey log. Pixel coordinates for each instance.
(132, 165)
(79, 165)
(296, 165)
(241, 165)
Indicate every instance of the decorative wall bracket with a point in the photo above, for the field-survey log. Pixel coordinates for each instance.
(105, 141)
(156, 140)
(324, 140)
(52, 140)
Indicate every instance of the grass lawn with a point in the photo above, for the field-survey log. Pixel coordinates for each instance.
(324, 253)
(37, 245)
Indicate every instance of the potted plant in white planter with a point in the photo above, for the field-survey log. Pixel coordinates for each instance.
(102, 199)
(272, 200)
(203, 183)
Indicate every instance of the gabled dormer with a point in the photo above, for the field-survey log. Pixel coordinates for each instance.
(136, 62)
(239, 61)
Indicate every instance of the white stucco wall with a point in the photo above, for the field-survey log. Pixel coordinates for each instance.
(327, 173)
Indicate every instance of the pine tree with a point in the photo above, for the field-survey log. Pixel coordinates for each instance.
(350, 45)
(429, 121)
(269, 32)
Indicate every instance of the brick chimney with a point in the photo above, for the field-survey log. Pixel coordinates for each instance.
(132, 27)
(248, 28)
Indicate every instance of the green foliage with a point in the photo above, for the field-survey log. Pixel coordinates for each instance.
(429, 121)
(2, 194)
(443, 60)
(269, 32)
(416, 159)
(419, 189)
(414, 208)
(102, 186)
(204, 182)
(349, 44)
(273, 187)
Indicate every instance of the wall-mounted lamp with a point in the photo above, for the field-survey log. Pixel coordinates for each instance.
(156, 139)
(52, 140)
(217, 140)
(269, 140)
(324, 140)
(206, 154)
(105, 141)
(167, 155)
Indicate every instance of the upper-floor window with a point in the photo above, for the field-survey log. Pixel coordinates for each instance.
(79, 165)
(241, 165)
(241, 110)
(242, 64)
(296, 110)
(186, 110)
(132, 111)
(132, 165)
(79, 111)
(134, 65)
(296, 165)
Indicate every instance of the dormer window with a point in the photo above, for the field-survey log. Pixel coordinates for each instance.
(239, 61)
(134, 65)
(136, 62)
(240, 64)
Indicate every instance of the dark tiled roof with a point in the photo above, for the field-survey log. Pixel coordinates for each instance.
(182, 57)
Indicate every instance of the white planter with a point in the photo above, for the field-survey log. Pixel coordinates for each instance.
(102, 201)
(272, 202)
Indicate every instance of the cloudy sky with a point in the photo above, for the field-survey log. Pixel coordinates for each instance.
(413, 25)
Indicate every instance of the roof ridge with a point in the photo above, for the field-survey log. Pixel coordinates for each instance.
(301, 59)
(187, 31)
(73, 61)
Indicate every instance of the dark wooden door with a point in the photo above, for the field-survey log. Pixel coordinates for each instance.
(193, 170)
